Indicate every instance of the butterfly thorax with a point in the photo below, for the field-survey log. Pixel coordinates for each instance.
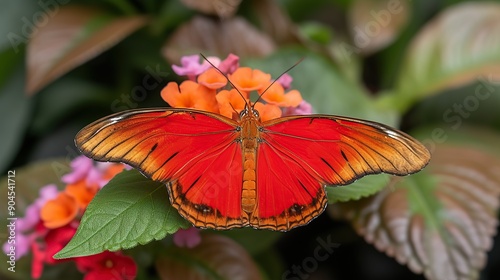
(250, 135)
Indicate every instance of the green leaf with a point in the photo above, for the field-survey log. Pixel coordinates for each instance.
(477, 137)
(322, 86)
(475, 104)
(455, 48)
(130, 210)
(246, 237)
(363, 187)
(15, 110)
(18, 19)
(55, 104)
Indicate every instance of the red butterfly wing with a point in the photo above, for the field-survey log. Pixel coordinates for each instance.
(298, 155)
(194, 152)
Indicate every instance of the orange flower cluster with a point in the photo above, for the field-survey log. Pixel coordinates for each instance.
(73, 200)
(210, 93)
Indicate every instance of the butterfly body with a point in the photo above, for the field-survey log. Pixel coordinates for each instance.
(223, 173)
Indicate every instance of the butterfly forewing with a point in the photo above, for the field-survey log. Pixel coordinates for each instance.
(194, 152)
(341, 150)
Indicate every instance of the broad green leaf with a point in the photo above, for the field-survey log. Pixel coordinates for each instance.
(246, 237)
(55, 104)
(18, 19)
(478, 137)
(455, 48)
(130, 210)
(453, 109)
(363, 187)
(77, 34)
(216, 257)
(15, 112)
(271, 263)
(438, 222)
(322, 86)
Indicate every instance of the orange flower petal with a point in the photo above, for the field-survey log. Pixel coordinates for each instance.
(275, 94)
(267, 111)
(59, 211)
(212, 79)
(293, 98)
(81, 192)
(247, 79)
(190, 94)
(229, 99)
(112, 170)
(178, 96)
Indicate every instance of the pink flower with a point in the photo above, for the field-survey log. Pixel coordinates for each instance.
(84, 168)
(107, 265)
(230, 64)
(191, 66)
(81, 167)
(285, 80)
(304, 108)
(22, 245)
(187, 237)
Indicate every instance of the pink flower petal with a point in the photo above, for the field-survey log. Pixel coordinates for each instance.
(191, 66)
(285, 80)
(81, 166)
(22, 245)
(189, 238)
(30, 219)
(230, 64)
(304, 108)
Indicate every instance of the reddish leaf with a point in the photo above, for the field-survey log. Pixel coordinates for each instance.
(276, 22)
(216, 257)
(454, 49)
(71, 37)
(375, 24)
(438, 222)
(219, 38)
(222, 8)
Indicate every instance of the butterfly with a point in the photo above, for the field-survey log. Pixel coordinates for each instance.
(223, 173)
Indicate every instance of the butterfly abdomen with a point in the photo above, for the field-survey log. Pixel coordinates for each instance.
(249, 191)
(249, 141)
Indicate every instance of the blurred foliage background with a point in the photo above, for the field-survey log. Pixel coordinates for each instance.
(431, 68)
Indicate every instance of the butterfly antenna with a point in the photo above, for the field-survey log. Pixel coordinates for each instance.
(242, 96)
(286, 71)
